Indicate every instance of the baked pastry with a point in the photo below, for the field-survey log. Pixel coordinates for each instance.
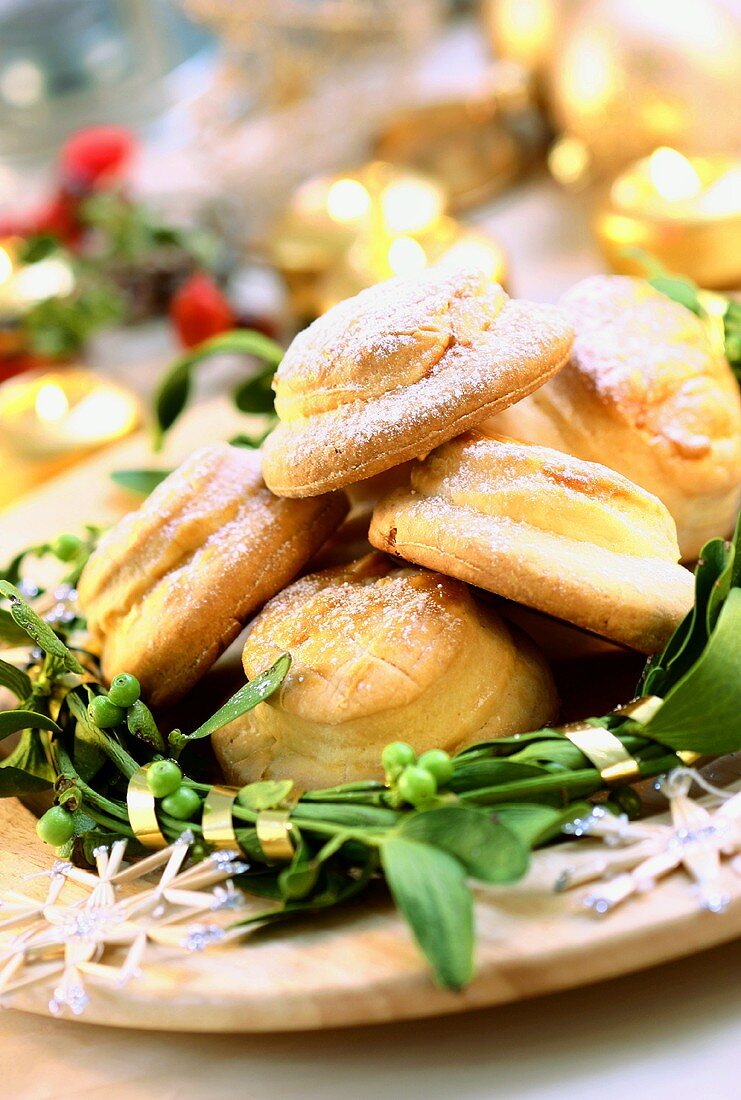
(173, 583)
(646, 393)
(403, 366)
(350, 541)
(380, 653)
(567, 537)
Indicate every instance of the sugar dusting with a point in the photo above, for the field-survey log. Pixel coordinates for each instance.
(493, 347)
(651, 359)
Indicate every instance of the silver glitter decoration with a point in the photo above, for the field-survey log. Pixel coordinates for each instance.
(72, 942)
(644, 852)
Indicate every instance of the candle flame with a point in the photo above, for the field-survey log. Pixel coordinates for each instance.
(51, 403)
(347, 200)
(673, 176)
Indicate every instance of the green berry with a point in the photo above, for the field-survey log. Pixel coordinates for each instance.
(124, 690)
(437, 763)
(104, 713)
(56, 827)
(65, 547)
(181, 804)
(163, 778)
(397, 756)
(416, 785)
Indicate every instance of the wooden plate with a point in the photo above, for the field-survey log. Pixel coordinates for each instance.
(358, 965)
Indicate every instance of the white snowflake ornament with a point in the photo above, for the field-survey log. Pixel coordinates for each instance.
(643, 852)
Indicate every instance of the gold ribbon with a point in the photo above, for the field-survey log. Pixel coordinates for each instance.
(141, 805)
(218, 826)
(274, 830)
(644, 709)
(603, 749)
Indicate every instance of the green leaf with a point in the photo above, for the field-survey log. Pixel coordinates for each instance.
(29, 755)
(256, 439)
(488, 850)
(488, 773)
(12, 572)
(348, 815)
(15, 680)
(38, 630)
(139, 482)
(174, 389)
(702, 712)
(10, 633)
(534, 824)
(680, 290)
(12, 721)
(248, 697)
(689, 639)
(255, 395)
(38, 247)
(15, 783)
(265, 794)
(430, 891)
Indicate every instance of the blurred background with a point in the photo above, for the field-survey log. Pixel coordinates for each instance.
(171, 171)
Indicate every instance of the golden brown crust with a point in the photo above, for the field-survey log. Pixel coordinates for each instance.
(646, 393)
(400, 368)
(380, 653)
(172, 584)
(570, 538)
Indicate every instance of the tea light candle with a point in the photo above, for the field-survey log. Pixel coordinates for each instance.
(55, 414)
(685, 211)
(449, 241)
(327, 216)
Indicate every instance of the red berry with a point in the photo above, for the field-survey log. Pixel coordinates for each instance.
(58, 218)
(199, 310)
(95, 157)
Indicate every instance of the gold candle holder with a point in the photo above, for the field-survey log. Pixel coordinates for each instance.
(684, 211)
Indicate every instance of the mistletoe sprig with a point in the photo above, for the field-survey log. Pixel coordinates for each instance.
(433, 827)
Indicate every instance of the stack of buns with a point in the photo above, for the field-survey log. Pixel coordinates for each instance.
(485, 445)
